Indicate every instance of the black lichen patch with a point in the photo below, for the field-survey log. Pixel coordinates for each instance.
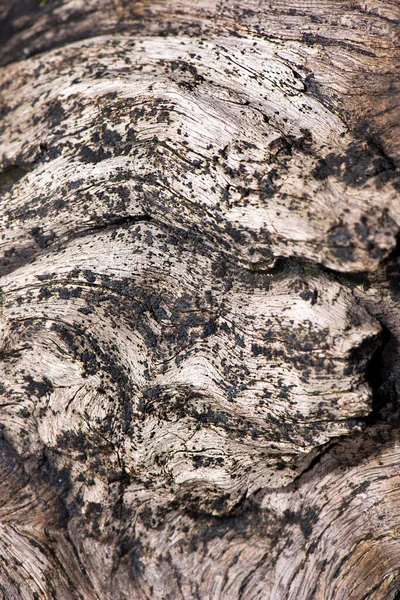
(240, 427)
(362, 160)
(38, 388)
(186, 74)
(54, 114)
(111, 137)
(305, 519)
(43, 240)
(94, 155)
(355, 491)
(342, 242)
(93, 514)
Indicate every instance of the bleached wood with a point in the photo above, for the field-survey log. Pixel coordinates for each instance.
(199, 280)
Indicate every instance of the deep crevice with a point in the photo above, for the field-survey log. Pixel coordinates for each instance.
(382, 373)
(285, 266)
(376, 374)
(128, 220)
(321, 452)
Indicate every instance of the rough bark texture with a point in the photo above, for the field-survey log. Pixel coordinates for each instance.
(200, 300)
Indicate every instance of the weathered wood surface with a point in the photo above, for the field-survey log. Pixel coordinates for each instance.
(200, 300)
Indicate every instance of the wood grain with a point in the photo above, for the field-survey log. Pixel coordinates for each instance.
(200, 300)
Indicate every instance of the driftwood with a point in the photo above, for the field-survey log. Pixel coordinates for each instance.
(200, 294)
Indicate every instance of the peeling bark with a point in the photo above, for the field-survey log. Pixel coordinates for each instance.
(200, 291)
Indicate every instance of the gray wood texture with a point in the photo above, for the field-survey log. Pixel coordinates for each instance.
(200, 293)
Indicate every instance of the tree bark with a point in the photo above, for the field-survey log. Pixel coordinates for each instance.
(200, 295)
